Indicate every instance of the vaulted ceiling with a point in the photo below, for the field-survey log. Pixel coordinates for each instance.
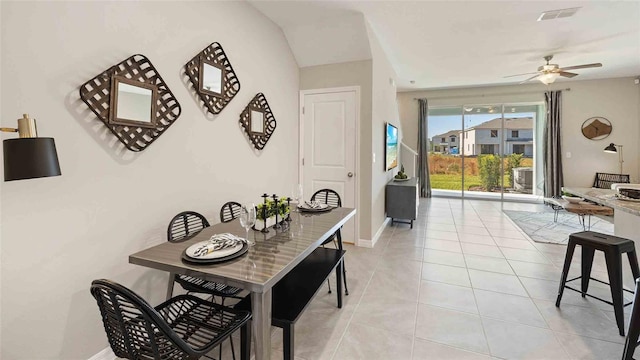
(444, 44)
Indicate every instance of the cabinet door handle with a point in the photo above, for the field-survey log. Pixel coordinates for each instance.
(350, 174)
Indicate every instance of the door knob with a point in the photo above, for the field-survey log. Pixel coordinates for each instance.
(350, 174)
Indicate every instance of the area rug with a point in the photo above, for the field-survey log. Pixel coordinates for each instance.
(541, 228)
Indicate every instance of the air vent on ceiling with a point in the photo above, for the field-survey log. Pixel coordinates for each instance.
(556, 14)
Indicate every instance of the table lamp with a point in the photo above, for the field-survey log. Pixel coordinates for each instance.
(29, 156)
(612, 149)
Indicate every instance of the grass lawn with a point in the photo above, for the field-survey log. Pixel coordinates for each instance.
(454, 181)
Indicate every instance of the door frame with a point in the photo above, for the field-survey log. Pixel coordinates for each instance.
(355, 89)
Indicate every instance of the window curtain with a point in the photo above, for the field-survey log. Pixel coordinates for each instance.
(553, 180)
(423, 150)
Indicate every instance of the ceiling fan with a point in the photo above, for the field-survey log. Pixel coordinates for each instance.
(548, 73)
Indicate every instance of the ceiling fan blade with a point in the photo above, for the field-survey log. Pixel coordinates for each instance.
(567, 74)
(529, 79)
(581, 66)
(520, 74)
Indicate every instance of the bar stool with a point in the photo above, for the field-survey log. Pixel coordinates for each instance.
(613, 248)
(634, 327)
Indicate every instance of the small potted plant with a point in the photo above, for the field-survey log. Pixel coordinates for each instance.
(268, 211)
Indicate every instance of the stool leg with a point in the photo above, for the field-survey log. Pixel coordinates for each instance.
(614, 268)
(287, 342)
(633, 261)
(587, 264)
(634, 328)
(565, 270)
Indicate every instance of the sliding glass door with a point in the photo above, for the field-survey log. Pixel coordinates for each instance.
(445, 163)
(484, 151)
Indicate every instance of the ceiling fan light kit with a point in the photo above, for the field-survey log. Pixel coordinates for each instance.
(548, 78)
(549, 73)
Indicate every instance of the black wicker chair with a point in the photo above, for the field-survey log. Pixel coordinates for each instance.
(331, 198)
(230, 211)
(184, 327)
(604, 180)
(182, 227)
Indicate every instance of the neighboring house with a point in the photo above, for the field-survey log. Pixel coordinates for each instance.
(517, 136)
(447, 143)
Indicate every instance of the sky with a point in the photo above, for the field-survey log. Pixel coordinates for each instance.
(441, 124)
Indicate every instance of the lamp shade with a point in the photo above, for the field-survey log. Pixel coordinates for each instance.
(28, 158)
(548, 78)
(611, 148)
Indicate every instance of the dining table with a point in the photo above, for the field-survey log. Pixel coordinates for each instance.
(273, 256)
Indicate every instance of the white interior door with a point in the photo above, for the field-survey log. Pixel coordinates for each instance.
(329, 148)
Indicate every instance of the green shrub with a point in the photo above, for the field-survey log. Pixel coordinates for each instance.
(513, 161)
(489, 171)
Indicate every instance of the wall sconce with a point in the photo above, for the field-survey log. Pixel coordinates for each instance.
(611, 149)
(29, 156)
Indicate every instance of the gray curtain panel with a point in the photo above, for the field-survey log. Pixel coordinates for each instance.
(423, 150)
(553, 179)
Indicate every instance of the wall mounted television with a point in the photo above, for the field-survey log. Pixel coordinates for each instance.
(391, 147)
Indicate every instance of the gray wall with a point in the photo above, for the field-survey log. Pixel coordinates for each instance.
(355, 73)
(60, 233)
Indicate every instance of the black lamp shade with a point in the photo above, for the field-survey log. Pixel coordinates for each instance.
(611, 148)
(29, 158)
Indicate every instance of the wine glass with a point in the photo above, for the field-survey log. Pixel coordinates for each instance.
(297, 195)
(247, 220)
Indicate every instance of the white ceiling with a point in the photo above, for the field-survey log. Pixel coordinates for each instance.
(443, 44)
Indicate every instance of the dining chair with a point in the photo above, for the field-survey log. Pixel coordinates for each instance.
(230, 211)
(182, 227)
(331, 198)
(183, 327)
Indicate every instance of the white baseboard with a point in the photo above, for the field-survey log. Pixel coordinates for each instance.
(105, 354)
(371, 243)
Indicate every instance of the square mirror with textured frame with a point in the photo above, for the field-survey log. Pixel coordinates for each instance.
(212, 78)
(258, 121)
(133, 101)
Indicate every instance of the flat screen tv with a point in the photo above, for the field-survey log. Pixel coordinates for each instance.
(391, 147)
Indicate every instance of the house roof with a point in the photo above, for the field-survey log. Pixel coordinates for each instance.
(447, 134)
(509, 124)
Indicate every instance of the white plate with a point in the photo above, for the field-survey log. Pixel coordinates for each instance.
(214, 254)
(320, 207)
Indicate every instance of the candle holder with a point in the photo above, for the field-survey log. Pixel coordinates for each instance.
(289, 207)
(264, 213)
(275, 200)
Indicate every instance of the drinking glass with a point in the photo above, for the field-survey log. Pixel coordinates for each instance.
(247, 220)
(297, 195)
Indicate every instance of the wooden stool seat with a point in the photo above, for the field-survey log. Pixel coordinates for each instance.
(613, 248)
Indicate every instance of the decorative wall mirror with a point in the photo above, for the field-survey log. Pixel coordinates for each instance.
(133, 101)
(596, 128)
(213, 78)
(258, 121)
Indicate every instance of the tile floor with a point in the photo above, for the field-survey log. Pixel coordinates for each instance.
(465, 283)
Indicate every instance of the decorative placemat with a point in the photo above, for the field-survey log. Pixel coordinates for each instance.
(96, 93)
(231, 85)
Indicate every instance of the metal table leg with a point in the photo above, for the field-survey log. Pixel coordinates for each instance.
(261, 322)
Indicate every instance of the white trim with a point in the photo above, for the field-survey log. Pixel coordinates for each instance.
(105, 354)
(371, 243)
(355, 89)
